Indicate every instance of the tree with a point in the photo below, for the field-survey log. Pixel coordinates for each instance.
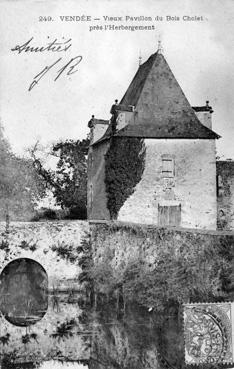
(4, 174)
(20, 185)
(71, 176)
(69, 181)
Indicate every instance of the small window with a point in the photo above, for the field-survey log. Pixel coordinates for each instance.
(168, 168)
(219, 185)
(220, 181)
(91, 194)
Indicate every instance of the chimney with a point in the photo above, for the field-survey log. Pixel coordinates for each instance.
(121, 116)
(97, 128)
(204, 114)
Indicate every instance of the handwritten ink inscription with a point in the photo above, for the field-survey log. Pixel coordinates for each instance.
(53, 46)
(69, 68)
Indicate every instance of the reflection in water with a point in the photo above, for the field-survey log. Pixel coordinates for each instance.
(10, 365)
(57, 336)
(23, 292)
(53, 364)
(139, 340)
(95, 340)
(70, 338)
(62, 365)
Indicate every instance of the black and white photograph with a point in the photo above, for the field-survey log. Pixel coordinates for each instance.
(116, 184)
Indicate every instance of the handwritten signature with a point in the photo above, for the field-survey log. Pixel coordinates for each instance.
(69, 68)
(53, 46)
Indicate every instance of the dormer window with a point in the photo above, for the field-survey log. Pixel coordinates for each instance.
(168, 167)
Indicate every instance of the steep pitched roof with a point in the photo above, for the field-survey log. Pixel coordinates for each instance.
(161, 108)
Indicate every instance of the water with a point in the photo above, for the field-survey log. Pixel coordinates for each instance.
(71, 335)
(23, 292)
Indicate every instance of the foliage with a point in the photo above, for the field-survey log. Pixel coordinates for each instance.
(181, 273)
(69, 181)
(20, 185)
(123, 170)
(64, 330)
(65, 251)
(71, 176)
(27, 246)
(4, 340)
(85, 261)
(45, 214)
(25, 338)
(4, 245)
(103, 278)
(179, 278)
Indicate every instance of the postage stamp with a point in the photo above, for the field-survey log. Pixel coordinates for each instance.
(209, 333)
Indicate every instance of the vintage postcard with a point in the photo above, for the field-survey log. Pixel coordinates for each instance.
(116, 184)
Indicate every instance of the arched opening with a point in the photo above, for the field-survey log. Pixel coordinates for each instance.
(23, 292)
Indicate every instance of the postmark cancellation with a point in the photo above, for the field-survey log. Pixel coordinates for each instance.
(209, 333)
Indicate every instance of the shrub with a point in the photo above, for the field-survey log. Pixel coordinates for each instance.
(180, 275)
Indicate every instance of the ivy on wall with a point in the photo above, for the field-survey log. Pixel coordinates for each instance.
(125, 161)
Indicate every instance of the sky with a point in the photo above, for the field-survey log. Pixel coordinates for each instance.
(200, 54)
